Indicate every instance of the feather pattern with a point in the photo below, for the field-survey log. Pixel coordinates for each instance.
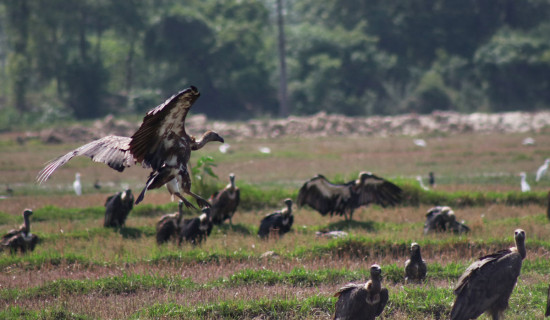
(111, 150)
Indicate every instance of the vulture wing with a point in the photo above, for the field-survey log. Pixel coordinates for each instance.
(324, 196)
(379, 191)
(149, 140)
(384, 297)
(485, 282)
(111, 150)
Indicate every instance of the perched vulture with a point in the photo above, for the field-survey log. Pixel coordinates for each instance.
(415, 267)
(225, 202)
(20, 238)
(343, 199)
(117, 208)
(362, 301)
(196, 230)
(487, 284)
(443, 219)
(169, 225)
(278, 222)
(160, 143)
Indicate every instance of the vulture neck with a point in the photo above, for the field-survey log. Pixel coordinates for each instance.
(416, 256)
(520, 247)
(206, 137)
(27, 228)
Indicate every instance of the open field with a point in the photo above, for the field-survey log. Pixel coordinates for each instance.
(82, 270)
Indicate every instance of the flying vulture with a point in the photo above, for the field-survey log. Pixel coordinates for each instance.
(196, 230)
(343, 199)
(117, 208)
(169, 225)
(225, 202)
(415, 267)
(277, 223)
(160, 143)
(487, 284)
(362, 301)
(20, 239)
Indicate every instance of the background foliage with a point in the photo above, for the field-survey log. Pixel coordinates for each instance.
(84, 59)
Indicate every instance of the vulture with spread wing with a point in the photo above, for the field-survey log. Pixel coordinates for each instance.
(362, 301)
(225, 202)
(21, 238)
(487, 284)
(343, 199)
(160, 143)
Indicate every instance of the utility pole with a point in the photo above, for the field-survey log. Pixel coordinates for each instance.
(283, 98)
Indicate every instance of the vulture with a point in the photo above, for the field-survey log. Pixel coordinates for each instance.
(161, 143)
(20, 238)
(343, 199)
(196, 230)
(362, 301)
(443, 219)
(169, 225)
(225, 202)
(487, 284)
(278, 222)
(415, 267)
(117, 208)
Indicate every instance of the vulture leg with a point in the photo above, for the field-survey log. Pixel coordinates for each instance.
(188, 204)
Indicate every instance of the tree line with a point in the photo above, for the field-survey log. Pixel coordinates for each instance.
(84, 59)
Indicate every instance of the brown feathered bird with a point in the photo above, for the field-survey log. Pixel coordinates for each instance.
(21, 238)
(362, 301)
(487, 284)
(161, 143)
(196, 230)
(225, 202)
(342, 199)
(415, 267)
(277, 223)
(117, 208)
(169, 225)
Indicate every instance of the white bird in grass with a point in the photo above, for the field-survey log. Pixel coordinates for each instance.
(542, 170)
(419, 179)
(77, 185)
(420, 142)
(524, 185)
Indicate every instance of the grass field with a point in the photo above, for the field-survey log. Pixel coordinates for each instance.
(81, 270)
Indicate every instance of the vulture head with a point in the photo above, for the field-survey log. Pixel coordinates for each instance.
(288, 203)
(415, 247)
(27, 213)
(375, 271)
(209, 136)
(362, 177)
(232, 180)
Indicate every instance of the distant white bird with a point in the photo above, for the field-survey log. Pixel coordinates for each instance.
(224, 147)
(419, 179)
(265, 150)
(420, 142)
(528, 141)
(524, 185)
(542, 170)
(77, 186)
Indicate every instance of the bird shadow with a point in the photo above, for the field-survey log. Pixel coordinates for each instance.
(236, 227)
(353, 224)
(130, 233)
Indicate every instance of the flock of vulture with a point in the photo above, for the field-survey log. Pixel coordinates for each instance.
(162, 145)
